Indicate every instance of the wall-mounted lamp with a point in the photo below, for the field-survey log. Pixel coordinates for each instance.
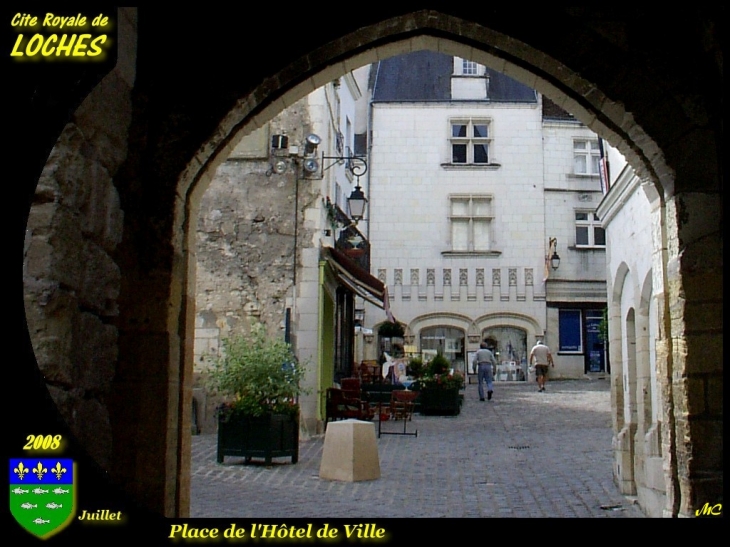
(310, 163)
(279, 148)
(358, 167)
(356, 202)
(554, 258)
(278, 167)
(311, 143)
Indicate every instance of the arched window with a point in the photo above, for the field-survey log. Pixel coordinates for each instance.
(510, 348)
(447, 340)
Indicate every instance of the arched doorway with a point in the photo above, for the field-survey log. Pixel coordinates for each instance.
(510, 349)
(448, 341)
(154, 320)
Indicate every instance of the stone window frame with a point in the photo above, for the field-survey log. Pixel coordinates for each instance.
(591, 226)
(586, 157)
(470, 141)
(471, 218)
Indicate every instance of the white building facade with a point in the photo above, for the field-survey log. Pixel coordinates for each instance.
(630, 214)
(470, 186)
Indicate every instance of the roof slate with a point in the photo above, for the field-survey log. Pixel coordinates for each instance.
(426, 76)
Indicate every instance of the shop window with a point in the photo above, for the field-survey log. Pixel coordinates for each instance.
(446, 340)
(571, 331)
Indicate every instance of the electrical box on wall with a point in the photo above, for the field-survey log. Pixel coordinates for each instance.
(279, 142)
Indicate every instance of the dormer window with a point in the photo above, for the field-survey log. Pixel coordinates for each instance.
(468, 68)
(465, 67)
(469, 81)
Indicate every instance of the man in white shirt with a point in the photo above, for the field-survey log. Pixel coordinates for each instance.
(543, 358)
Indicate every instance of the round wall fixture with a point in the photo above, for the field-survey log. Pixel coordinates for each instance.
(311, 165)
(279, 167)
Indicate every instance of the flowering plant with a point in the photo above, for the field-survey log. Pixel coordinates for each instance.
(443, 381)
(257, 374)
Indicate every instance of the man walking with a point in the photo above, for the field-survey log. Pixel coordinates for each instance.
(543, 358)
(484, 361)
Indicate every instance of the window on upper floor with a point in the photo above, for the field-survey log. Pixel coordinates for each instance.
(468, 68)
(465, 67)
(588, 230)
(470, 218)
(470, 140)
(586, 157)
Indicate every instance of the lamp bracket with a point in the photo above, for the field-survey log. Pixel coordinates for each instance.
(355, 164)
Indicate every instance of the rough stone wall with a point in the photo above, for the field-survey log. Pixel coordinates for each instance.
(245, 250)
(71, 281)
(694, 283)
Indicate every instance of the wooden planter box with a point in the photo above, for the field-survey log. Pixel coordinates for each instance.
(439, 402)
(269, 436)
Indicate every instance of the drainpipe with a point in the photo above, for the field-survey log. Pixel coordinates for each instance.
(370, 148)
(296, 221)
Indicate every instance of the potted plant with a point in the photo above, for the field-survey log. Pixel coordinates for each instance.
(259, 376)
(416, 368)
(439, 388)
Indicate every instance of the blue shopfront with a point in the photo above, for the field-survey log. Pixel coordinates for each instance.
(580, 335)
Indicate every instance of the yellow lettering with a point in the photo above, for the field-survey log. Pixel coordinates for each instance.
(100, 21)
(15, 52)
(95, 50)
(196, 533)
(708, 509)
(23, 20)
(65, 48)
(51, 39)
(233, 532)
(80, 49)
(34, 45)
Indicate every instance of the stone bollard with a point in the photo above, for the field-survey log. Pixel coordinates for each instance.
(350, 452)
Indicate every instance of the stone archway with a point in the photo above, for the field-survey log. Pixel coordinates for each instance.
(167, 151)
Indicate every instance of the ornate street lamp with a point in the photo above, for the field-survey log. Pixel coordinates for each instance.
(356, 203)
(357, 200)
(555, 258)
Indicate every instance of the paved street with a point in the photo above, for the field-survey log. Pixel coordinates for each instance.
(523, 454)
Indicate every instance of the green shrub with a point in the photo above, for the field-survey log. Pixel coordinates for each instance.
(438, 365)
(416, 368)
(257, 374)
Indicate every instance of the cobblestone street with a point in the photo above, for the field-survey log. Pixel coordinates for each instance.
(523, 454)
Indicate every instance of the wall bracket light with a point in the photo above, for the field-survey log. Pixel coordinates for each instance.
(553, 258)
